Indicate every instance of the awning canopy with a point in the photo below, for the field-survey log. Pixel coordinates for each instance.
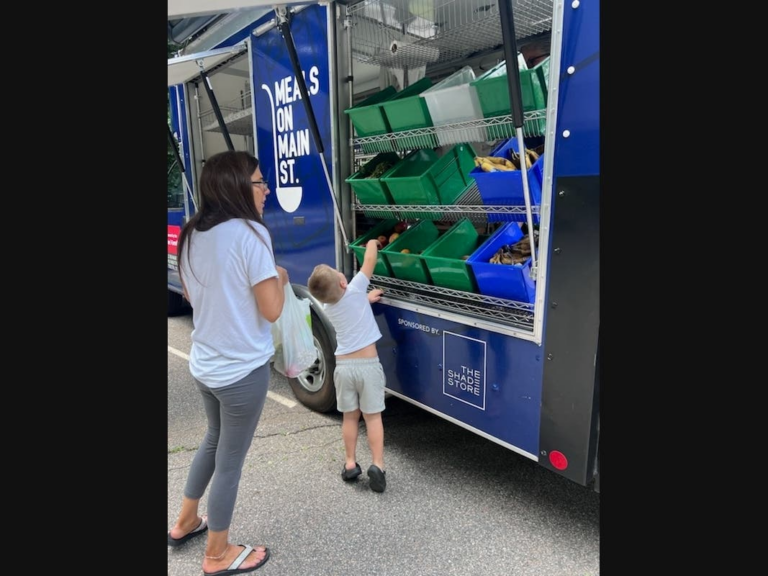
(183, 68)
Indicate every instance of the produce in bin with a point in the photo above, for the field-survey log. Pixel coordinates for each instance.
(398, 229)
(515, 254)
(530, 158)
(384, 232)
(496, 164)
(380, 169)
(404, 254)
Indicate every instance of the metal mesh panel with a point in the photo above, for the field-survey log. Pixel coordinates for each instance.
(497, 128)
(237, 114)
(469, 205)
(434, 31)
(488, 308)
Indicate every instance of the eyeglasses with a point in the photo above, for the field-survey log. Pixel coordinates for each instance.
(261, 183)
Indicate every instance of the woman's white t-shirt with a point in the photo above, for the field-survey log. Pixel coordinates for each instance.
(230, 338)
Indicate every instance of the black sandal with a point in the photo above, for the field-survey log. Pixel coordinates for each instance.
(201, 529)
(378, 478)
(349, 475)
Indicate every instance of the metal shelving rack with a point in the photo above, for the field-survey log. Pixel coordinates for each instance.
(436, 31)
(496, 128)
(428, 33)
(495, 311)
(238, 116)
(469, 205)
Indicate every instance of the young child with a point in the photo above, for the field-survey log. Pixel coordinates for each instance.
(359, 377)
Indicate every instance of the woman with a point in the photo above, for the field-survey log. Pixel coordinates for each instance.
(230, 278)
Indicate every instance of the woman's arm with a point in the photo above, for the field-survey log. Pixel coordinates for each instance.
(270, 295)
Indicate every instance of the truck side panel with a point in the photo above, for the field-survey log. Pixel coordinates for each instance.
(485, 380)
(299, 210)
(570, 405)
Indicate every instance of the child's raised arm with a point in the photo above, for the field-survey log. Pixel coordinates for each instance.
(370, 258)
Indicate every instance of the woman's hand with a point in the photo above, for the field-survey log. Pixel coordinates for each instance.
(283, 274)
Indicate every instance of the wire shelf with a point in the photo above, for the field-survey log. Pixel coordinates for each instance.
(237, 114)
(496, 128)
(437, 31)
(496, 310)
(469, 205)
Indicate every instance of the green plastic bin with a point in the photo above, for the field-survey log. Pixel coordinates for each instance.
(493, 92)
(444, 259)
(425, 178)
(373, 190)
(383, 228)
(407, 110)
(368, 117)
(411, 266)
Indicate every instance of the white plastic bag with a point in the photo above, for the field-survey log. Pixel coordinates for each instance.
(292, 335)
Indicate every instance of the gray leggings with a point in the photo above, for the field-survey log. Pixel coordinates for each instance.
(233, 412)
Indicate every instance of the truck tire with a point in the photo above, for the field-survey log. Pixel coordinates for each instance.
(176, 304)
(314, 387)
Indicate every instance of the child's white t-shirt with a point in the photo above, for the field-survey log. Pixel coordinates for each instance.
(352, 317)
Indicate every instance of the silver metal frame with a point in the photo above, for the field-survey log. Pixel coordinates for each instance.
(227, 27)
(331, 32)
(545, 216)
(201, 155)
(249, 43)
(268, 25)
(497, 127)
(198, 58)
(468, 205)
(190, 170)
(477, 431)
(350, 147)
(460, 14)
(234, 49)
(431, 309)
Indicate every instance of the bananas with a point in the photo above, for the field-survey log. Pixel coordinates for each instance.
(516, 253)
(530, 157)
(496, 164)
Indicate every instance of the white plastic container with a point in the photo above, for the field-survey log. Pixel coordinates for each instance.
(455, 100)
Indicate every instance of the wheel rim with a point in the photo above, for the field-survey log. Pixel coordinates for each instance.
(312, 378)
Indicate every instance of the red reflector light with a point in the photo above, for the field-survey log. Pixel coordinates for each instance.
(558, 460)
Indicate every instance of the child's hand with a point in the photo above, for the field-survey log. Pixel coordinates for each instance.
(373, 243)
(375, 295)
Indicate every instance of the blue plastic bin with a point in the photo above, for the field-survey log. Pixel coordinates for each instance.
(506, 188)
(502, 280)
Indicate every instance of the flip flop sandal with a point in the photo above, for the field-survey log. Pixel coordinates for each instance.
(234, 567)
(201, 529)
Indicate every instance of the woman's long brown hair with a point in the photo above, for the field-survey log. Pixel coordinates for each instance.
(226, 192)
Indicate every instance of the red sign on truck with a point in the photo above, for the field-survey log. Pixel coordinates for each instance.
(173, 238)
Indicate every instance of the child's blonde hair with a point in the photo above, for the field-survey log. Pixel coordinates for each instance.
(324, 285)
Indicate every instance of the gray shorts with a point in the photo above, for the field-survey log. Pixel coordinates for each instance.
(359, 384)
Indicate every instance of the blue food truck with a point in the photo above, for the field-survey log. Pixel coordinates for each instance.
(464, 135)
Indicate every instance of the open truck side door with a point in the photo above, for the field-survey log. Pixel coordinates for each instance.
(181, 70)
